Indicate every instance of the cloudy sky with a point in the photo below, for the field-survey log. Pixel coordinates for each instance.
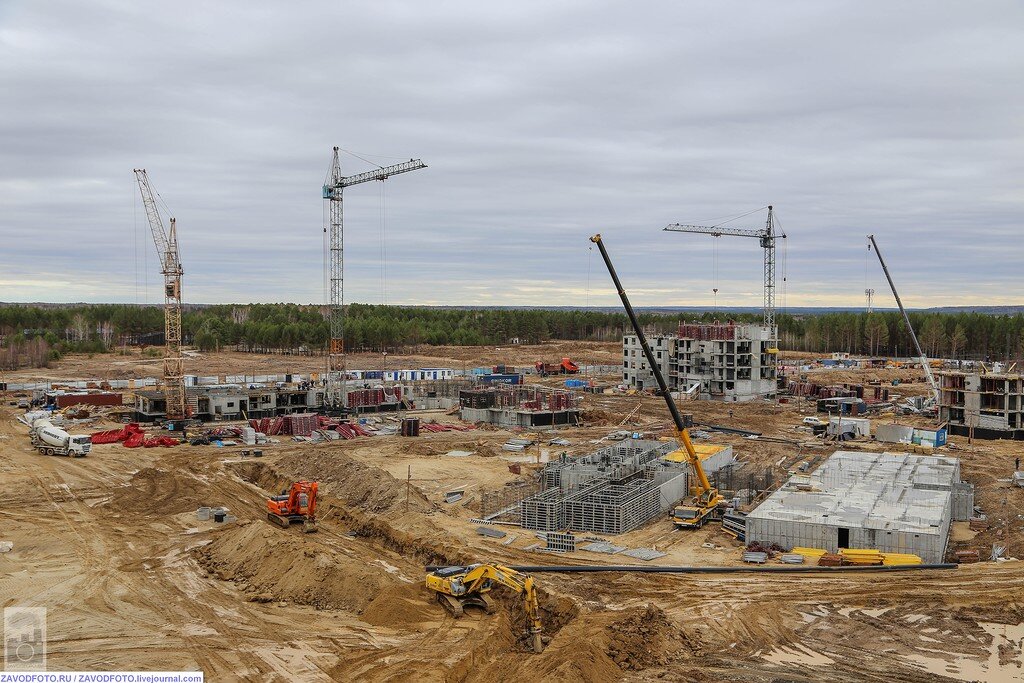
(541, 123)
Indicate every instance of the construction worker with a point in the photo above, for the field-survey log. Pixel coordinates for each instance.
(1016, 464)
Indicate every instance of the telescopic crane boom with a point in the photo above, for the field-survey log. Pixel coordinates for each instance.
(170, 265)
(705, 497)
(906, 320)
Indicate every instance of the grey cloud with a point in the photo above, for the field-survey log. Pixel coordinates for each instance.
(541, 123)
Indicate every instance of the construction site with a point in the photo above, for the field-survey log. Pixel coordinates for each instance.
(679, 510)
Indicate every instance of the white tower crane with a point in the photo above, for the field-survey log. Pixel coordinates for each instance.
(336, 394)
(170, 265)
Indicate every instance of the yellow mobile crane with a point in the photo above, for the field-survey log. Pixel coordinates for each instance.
(458, 587)
(705, 498)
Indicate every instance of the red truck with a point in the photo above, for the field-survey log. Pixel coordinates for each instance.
(566, 367)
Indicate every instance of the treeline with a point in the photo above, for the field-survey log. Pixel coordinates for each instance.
(292, 328)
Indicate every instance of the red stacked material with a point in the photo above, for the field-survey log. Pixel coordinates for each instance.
(116, 435)
(351, 431)
(300, 424)
(135, 440)
(968, 556)
(707, 332)
(275, 427)
(830, 560)
(160, 441)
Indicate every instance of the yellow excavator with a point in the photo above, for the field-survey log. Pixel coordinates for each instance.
(459, 587)
(704, 499)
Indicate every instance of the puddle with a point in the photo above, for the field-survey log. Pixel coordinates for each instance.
(797, 654)
(971, 669)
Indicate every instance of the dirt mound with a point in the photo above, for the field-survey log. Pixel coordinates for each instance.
(154, 491)
(352, 483)
(270, 564)
(402, 607)
(644, 638)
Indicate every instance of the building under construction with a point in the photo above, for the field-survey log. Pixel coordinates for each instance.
(986, 406)
(892, 502)
(509, 405)
(724, 362)
(614, 490)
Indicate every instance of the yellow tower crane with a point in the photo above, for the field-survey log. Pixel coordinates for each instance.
(170, 265)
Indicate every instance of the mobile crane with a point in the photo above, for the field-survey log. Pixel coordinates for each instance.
(298, 504)
(705, 498)
(459, 587)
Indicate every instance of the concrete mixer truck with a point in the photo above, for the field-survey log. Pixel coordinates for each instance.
(50, 440)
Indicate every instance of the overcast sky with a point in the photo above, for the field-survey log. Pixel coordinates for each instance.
(541, 123)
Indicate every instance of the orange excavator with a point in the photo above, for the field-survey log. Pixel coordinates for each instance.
(295, 505)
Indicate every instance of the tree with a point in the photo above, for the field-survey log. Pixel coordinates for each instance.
(958, 341)
(933, 336)
(876, 332)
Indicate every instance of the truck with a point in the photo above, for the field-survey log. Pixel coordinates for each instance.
(566, 367)
(51, 440)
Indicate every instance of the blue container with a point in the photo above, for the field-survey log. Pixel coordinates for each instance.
(501, 379)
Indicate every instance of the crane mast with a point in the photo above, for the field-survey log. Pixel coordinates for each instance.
(906, 320)
(767, 237)
(170, 265)
(334, 184)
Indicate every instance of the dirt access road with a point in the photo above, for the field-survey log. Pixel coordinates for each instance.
(111, 546)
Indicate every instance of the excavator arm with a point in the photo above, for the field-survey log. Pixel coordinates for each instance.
(478, 579)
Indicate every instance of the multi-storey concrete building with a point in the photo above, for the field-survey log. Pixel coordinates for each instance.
(989, 406)
(720, 361)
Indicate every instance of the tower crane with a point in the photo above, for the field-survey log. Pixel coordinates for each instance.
(334, 184)
(170, 265)
(906, 320)
(767, 236)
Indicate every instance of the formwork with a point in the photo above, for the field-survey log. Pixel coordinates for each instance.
(613, 509)
(893, 502)
(613, 490)
(544, 511)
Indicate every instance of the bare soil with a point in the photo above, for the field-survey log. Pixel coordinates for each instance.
(111, 545)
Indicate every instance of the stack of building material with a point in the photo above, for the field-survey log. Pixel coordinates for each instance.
(811, 555)
(560, 542)
(968, 556)
(755, 558)
(861, 557)
(300, 424)
(900, 559)
(830, 560)
(792, 558)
